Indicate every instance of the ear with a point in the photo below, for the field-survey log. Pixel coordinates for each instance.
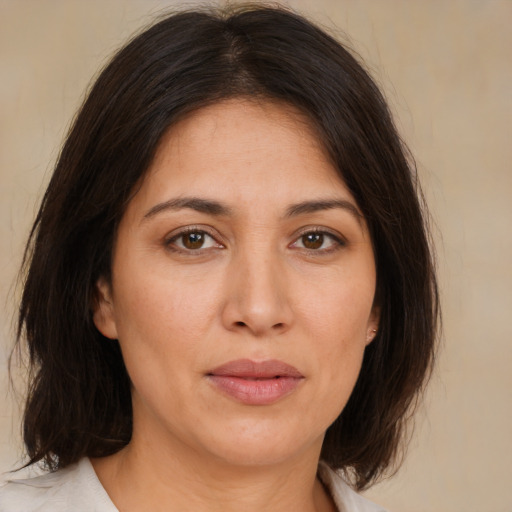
(103, 310)
(373, 324)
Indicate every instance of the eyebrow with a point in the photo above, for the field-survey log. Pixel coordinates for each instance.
(207, 206)
(217, 208)
(316, 206)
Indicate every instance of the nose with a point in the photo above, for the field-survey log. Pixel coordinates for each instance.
(257, 301)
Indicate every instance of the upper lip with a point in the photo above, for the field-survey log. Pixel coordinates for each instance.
(246, 368)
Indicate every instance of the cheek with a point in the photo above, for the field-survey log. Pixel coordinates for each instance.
(337, 319)
(162, 321)
(339, 307)
(162, 324)
(160, 303)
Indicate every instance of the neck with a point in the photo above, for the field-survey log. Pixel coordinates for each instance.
(181, 480)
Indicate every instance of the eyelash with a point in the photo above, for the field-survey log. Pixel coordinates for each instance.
(337, 241)
(337, 244)
(171, 241)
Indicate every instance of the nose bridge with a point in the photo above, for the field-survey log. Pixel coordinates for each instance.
(258, 292)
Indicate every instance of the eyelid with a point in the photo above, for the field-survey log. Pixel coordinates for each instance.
(177, 233)
(323, 230)
(336, 236)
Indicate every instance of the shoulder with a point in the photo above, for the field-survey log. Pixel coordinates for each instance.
(345, 498)
(73, 489)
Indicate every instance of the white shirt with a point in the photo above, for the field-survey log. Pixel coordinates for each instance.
(77, 489)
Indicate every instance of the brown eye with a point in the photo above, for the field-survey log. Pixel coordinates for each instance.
(194, 240)
(313, 240)
(320, 242)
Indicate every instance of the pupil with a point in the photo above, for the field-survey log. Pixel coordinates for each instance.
(193, 240)
(313, 240)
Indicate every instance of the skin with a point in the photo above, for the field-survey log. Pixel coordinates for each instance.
(258, 288)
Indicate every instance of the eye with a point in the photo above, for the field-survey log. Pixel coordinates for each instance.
(320, 241)
(192, 240)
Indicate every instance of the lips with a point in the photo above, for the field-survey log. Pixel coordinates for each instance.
(255, 383)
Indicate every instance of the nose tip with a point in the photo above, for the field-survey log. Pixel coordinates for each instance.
(260, 328)
(257, 302)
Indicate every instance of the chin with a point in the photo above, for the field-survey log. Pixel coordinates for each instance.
(263, 445)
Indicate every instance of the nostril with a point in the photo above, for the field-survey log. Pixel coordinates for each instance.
(240, 324)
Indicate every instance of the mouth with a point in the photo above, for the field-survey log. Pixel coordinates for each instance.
(255, 383)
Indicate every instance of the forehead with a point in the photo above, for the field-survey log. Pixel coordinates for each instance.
(242, 149)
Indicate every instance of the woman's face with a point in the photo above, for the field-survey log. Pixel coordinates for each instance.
(242, 288)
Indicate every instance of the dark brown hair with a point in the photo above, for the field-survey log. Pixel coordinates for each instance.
(79, 401)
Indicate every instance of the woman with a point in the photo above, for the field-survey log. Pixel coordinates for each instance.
(229, 289)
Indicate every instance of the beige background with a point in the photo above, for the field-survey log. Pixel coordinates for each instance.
(446, 68)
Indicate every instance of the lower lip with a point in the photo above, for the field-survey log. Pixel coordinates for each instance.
(255, 392)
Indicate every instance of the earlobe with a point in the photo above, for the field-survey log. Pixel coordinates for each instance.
(370, 335)
(373, 325)
(103, 310)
